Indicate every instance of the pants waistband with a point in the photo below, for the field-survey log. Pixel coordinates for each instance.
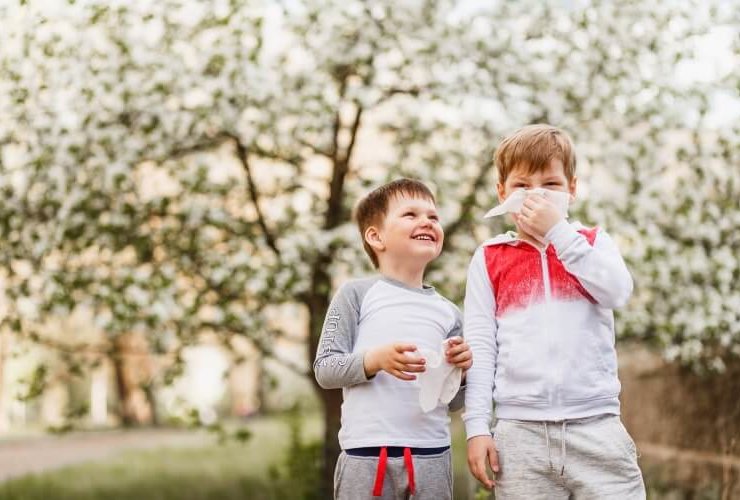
(393, 451)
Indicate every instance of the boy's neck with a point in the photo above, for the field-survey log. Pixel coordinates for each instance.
(532, 241)
(412, 276)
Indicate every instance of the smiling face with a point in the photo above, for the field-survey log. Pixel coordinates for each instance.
(409, 233)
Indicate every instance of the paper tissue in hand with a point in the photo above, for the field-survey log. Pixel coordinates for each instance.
(515, 200)
(439, 382)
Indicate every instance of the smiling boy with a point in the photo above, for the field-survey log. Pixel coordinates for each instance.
(372, 329)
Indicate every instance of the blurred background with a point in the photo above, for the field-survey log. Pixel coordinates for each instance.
(177, 181)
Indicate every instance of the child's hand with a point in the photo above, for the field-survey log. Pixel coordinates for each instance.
(458, 353)
(395, 360)
(482, 455)
(537, 216)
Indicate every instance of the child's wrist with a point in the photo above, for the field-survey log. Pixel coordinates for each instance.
(369, 364)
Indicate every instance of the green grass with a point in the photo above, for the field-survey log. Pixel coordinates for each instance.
(229, 471)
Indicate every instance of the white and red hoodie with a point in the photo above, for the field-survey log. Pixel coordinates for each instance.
(541, 327)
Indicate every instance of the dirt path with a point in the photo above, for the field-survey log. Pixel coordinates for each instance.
(19, 457)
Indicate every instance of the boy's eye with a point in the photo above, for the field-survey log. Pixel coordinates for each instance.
(407, 214)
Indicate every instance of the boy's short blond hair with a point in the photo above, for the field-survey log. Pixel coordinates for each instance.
(373, 208)
(533, 147)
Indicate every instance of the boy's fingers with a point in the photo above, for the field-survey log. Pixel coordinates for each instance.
(533, 200)
(404, 360)
(466, 354)
(402, 375)
(404, 347)
(459, 357)
(406, 365)
(479, 471)
(493, 460)
(411, 368)
(462, 363)
(458, 349)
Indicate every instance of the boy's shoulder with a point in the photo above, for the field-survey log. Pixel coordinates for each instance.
(358, 287)
(499, 239)
(455, 309)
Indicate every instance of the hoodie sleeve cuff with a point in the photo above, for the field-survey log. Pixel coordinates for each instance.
(477, 427)
(561, 235)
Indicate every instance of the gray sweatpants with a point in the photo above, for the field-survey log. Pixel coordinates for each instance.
(592, 458)
(354, 478)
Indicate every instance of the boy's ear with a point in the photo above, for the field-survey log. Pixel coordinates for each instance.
(501, 192)
(374, 239)
(572, 187)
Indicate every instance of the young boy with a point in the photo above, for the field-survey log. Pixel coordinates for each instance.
(390, 447)
(538, 316)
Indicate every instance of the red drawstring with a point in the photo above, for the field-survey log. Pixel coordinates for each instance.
(409, 469)
(380, 475)
(382, 464)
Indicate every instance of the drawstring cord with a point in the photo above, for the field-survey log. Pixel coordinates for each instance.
(383, 464)
(547, 443)
(562, 447)
(380, 473)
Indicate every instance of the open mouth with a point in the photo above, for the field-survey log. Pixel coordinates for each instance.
(424, 237)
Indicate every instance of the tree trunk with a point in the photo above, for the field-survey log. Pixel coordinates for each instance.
(122, 390)
(2, 381)
(331, 401)
(151, 399)
(132, 368)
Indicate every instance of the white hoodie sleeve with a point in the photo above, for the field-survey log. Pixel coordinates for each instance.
(599, 268)
(479, 325)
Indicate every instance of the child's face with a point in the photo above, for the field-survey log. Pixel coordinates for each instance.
(411, 232)
(552, 177)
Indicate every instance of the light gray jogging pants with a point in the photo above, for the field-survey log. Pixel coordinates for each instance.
(583, 459)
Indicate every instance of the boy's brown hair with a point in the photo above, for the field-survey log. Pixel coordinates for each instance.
(372, 209)
(533, 147)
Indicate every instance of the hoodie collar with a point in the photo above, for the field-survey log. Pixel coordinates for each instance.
(510, 238)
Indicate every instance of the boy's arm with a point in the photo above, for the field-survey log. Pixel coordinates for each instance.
(336, 365)
(459, 400)
(480, 332)
(599, 267)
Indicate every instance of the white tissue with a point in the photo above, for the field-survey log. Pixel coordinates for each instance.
(439, 382)
(515, 200)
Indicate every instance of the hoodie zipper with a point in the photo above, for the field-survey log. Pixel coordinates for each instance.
(545, 275)
(552, 343)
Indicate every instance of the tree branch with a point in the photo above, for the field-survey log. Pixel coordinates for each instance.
(242, 154)
(353, 133)
(198, 147)
(467, 204)
(317, 150)
(294, 160)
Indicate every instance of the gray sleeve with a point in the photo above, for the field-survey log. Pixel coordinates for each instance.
(458, 401)
(336, 365)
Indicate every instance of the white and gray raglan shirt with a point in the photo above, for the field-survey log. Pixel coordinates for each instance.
(384, 410)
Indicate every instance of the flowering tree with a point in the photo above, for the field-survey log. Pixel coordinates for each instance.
(183, 167)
